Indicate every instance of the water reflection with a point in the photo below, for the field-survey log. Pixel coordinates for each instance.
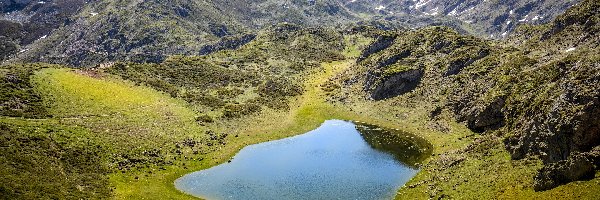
(339, 160)
(405, 147)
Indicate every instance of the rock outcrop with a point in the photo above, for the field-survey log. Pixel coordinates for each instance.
(398, 84)
(539, 89)
(573, 169)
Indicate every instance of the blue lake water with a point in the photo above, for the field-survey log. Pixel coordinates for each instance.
(338, 160)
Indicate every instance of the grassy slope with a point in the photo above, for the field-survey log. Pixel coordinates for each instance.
(123, 116)
(117, 109)
(43, 159)
(307, 112)
(310, 111)
(466, 165)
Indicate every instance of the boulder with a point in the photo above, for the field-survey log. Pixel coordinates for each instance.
(575, 168)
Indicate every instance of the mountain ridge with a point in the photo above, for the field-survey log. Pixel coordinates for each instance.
(85, 33)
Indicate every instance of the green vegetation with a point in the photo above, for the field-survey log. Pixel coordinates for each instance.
(519, 102)
(42, 159)
(127, 130)
(18, 97)
(164, 120)
(310, 112)
(395, 69)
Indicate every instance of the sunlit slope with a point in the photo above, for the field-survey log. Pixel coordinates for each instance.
(137, 123)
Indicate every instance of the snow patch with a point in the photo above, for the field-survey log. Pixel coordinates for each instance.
(524, 18)
(453, 12)
(432, 12)
(570, 49)
(421, 3)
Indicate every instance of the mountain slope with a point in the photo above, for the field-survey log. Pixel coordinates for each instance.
(65, 132)
(86, 33)
(540, 94)
(166, 88)
(494, 19)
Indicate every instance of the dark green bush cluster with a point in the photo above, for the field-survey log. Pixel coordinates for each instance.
(275, 88)
(264, 72)
(164, 86)
(229, 93)
(180, 72)
(17, 95)
(238, 110)
(203, 99)
(205, 119)
(45, 161)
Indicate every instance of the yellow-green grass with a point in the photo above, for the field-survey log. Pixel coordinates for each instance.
(307, 112)
(119, 107)
(354, 45)
(113, 106)
(118, 110)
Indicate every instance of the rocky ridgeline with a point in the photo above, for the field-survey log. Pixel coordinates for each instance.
(540, 91)
(85, 33)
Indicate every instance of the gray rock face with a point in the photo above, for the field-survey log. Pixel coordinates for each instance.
(230, 42)
(495, 19)
(472, 55)
(483, 117)
(381, 43)
(11, 5)
(594, 156)
(202, 23)
(573, 169)
(7, 48)
(10, 34)
(35, 20)
(398, 84)
(569, 124)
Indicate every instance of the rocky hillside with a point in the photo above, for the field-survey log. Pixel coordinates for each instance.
(23, 22)
(63, 131)
(493, 19)
(166, 87)
(539, 93)
(86, 33)
(149, 31)
(234, 83)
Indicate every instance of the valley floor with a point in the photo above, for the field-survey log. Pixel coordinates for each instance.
(464, 165)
